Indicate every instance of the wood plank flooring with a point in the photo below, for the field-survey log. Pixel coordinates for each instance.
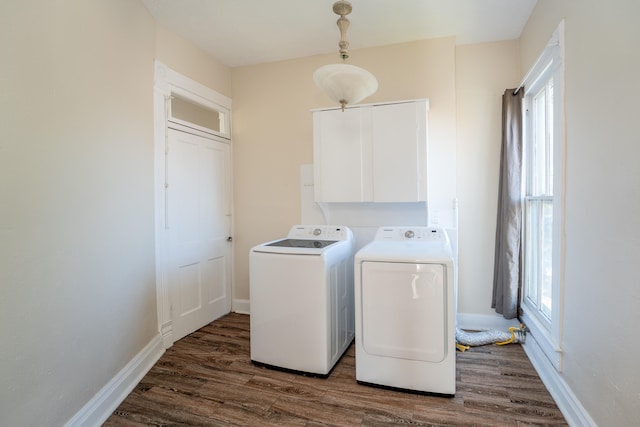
(207, 379)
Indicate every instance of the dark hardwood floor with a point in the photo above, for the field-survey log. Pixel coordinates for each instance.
(207, 379)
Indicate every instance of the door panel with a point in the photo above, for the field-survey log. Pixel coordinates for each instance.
(198, 221)
(404, 310)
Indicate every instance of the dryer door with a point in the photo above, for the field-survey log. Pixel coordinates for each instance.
(404, 310)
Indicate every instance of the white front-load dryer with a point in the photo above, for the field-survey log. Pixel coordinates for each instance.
(405, 311)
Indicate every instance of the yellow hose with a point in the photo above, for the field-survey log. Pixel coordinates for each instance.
(462, 347)
(513, 336)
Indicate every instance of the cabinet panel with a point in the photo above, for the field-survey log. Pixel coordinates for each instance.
(338, 154)
(399, 152)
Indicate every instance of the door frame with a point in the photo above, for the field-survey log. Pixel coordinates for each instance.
(166, 83)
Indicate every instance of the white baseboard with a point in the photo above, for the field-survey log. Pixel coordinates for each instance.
(241, 306)
(567, 402)
(102, 405)
(483, 322)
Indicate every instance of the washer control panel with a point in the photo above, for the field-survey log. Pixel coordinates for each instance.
(319, 232)
(417, 234)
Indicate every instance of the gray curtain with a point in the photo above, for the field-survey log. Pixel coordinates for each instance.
(507, 280)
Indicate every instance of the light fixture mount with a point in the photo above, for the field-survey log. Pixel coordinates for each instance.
(343, 8)
(343, 83)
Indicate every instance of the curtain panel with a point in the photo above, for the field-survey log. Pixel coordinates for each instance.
(507, 278)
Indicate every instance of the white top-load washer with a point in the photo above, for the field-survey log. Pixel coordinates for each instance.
(301, 290)
(405, 311)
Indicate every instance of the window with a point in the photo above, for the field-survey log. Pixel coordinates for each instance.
(186, 111)
(543, 200)
(194, 114)
(538, 202)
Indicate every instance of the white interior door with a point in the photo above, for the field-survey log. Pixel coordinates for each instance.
(198, 224)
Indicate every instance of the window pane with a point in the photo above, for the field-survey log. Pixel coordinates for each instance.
(538, 267)
(539, 142)
(531, 251)
(188, 111)
(546, 256)
(550, 137)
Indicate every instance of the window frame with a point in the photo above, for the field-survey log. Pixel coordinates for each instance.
(550, 64)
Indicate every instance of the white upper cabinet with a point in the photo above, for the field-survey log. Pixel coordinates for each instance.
(371, 153)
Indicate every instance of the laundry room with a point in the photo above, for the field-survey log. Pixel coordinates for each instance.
(100, 197)
(273, 176)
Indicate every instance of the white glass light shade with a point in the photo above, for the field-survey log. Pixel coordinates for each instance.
(344, 83)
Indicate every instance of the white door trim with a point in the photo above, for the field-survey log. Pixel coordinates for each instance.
(166, 83)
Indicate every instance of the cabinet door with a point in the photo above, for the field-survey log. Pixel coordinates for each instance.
(339, 140)
(399, 150)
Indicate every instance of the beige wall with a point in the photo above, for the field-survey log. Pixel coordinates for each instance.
(483, 72)
(77, 268)
(273, 136)
(182, 56)
(602, 195)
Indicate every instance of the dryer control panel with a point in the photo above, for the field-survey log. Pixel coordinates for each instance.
(418, 234)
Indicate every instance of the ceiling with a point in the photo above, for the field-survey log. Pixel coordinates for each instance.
(244, 32)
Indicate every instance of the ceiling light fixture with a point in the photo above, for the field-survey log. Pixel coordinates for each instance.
(344, 83)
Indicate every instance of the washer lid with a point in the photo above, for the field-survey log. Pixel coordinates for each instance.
(299, 246)
(302, 243)
(309, 240)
